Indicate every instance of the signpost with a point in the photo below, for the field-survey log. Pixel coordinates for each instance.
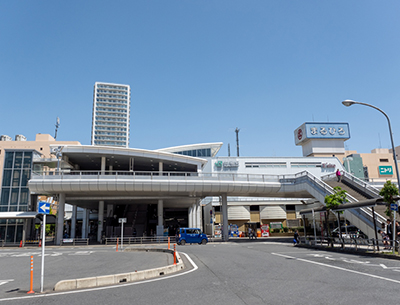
(122, 221)
(393, 206)
(43, 208)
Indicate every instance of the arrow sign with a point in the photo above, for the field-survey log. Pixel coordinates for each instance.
(393, 207)
(44, 207)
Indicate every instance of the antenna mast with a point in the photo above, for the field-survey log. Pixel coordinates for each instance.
(57, 125)
(237, 140)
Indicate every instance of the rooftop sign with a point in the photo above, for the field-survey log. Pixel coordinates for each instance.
(326, 131)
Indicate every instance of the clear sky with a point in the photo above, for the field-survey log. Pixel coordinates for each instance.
(199, 69)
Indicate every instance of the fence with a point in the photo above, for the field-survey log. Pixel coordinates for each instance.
(74, 242)
(139, 240)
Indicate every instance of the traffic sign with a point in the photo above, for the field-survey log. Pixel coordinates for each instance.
(393, 206)
(44, 207)
(122, 220)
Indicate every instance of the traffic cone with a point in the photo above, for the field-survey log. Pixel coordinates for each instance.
(20, 244)
(40, 243)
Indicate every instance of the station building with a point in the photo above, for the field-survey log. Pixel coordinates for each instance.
(160, 190)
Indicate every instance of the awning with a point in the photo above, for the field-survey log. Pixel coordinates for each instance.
(18, 215)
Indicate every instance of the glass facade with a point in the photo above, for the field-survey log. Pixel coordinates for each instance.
(111, 107)
(205, 152)
(15, 192)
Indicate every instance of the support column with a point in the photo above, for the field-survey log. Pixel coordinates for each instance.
(103, 165)
(160, 214)
(85, 214)
(73, 221)
(190, 218)
(199, 216)
(100, 219)
(225, 235)
(60, 218)
(160, 168)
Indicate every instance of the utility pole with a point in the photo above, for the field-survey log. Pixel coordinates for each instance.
(237, 140)
(229, 150)
(57, 125)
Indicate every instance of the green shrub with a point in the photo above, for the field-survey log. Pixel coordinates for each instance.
(285, 229)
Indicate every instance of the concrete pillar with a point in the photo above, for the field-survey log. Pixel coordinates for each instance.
(100, 220)
(199, 216)
(85, 216)
(160, 168)
(225, 235)
(160, 214)
(73, 221)
(190, 218)
(60, 218)
(103, 165)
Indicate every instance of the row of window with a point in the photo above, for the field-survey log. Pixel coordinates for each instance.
(110, 133)
(104, 120)
(113, 92)
(111, 128)
(107, 110)
(112, 96)
(108, 105)
(11, 232)
(282, 164)
(108, 138)
(111, 101)
(114, 143)
(111, 87)
(205, 152)
(105, 114)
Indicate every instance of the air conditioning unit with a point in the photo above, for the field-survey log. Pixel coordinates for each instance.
(20, 137)
(5, 138)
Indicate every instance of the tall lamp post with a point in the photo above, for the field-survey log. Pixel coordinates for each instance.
(348, 103)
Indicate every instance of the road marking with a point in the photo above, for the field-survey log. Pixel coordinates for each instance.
(2, 282)
(339, 268)
(195, 267)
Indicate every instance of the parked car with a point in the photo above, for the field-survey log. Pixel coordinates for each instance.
(191, 236)
(352, 232)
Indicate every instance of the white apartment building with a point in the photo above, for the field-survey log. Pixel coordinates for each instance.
(111, 114)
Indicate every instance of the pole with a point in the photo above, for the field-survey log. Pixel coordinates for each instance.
(31, 286)
(122, 235)
(43, 246)
(174, 254)
(394, 158)
(315, 229)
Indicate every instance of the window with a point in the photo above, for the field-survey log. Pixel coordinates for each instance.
(383, 160)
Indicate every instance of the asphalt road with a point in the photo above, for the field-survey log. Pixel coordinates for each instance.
(242, 273)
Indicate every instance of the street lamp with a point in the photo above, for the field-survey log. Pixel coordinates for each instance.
(348, 103)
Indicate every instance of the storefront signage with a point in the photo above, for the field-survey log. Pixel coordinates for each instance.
(386, 170)
(227, 164)
(321, 131)
(328, 165)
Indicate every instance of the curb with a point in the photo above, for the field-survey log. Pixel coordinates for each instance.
(113, 279)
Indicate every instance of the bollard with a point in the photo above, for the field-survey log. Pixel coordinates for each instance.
(31, 290)
(40, 243)
(20, 244)
(117, 244)
(174, 254)
(168, 244)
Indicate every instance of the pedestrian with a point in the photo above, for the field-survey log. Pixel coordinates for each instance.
(385, 239)
(389, 231)
(338, 175)
(250, 233)
(296, 239)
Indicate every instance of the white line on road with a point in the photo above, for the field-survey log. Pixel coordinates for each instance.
(195, 267)
(339, 268)
(2, 282)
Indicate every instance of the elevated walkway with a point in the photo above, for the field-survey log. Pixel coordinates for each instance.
(81, 186)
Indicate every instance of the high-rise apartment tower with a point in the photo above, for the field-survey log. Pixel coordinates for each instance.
(111, 114)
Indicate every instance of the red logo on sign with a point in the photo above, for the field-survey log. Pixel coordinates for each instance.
(300, 134)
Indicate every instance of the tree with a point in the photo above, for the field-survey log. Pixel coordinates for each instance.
(334, 200)
(389, 191)
(337, 198)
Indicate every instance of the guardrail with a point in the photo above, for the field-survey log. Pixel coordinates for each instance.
(355, 243)
(139, 240)
(74, 242)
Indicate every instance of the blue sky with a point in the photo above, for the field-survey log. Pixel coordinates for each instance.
(199, 69)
